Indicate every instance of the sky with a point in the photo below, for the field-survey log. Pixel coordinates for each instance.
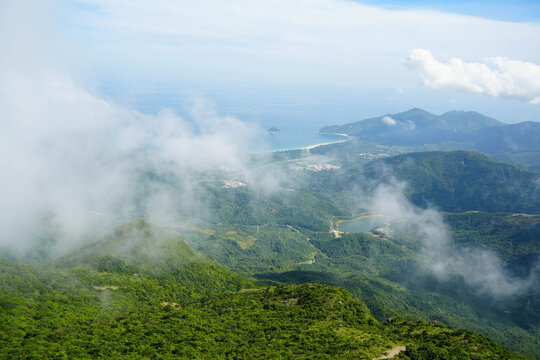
(93, 92)
(315, 57)
(318, 62)
(518, 11)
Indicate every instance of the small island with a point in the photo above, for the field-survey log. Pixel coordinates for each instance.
(274, 130)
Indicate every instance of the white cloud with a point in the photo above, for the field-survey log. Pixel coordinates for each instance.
(497, 77)
(73, 163)
(300, 41)
(76, 159)
(478, 267)
(388, 120)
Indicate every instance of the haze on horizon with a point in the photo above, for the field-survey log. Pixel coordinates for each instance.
(136, 115)
(334, 60)
(85, 85)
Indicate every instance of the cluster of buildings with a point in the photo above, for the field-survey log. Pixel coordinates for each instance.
(321, 167)
(231, 184)
(371, 156)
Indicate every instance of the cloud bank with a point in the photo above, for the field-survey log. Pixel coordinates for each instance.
(388, 120)
(74, 164)
(497, 77)
(479, 268)
(299, 41)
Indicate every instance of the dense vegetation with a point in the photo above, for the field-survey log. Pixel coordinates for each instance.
(513, 236)
(459, 181)
(419, 130)
(147, 292)
(91, 305)
(417, 127)
(385, 274)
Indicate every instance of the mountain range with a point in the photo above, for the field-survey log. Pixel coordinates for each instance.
(253, 272)
(419, 127)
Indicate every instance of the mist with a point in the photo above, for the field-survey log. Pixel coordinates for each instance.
(425, 229)
(73, 163)
(76, 159)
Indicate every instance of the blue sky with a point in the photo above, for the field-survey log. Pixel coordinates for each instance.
(480, 55)
(519, 10)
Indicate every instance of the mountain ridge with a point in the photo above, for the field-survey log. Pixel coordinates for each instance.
(441, 126)
(77, 310)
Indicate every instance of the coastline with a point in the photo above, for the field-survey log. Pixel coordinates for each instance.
(310, 147)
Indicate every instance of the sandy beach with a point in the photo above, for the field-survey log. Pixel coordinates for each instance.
(321, 144)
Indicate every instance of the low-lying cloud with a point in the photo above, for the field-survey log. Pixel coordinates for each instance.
(497, 77)
(388, 120)
(73, 163)
(479, 268)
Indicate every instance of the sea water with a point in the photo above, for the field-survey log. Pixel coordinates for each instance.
(293, 139)
(298, 113)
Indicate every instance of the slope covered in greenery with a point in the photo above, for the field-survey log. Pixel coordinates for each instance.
(141, 276)
(419, 130)
(385, 272)
(459, 181)
(48, 315)
(142, 293)
(416, 127)
(515, 237)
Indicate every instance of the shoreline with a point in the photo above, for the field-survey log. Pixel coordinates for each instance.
(361, 217)
(310, 147)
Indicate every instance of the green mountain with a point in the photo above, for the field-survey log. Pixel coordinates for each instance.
(466, 121)
(176, 292)
(416, 127)
(419, 130)
(459, 181)
(524, 136)
(385, 272)
(181, 305)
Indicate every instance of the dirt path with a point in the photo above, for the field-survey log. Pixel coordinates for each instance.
(392, 353)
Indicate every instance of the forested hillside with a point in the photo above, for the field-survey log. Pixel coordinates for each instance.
(417, 127)
(419, 130)
(177, 289)
(461, 181)
(91, 305)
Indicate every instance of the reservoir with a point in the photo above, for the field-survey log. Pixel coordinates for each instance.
(362, 224)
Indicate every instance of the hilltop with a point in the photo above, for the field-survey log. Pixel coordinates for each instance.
(89, 304)
(459, 181)
(419, 130)
(416, 127)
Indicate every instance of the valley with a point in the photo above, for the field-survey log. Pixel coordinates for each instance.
(351, 258)
(288, 180)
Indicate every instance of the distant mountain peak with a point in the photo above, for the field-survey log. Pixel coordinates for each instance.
(416, 110)
(417, 126)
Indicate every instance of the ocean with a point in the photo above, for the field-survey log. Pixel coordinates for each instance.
(298, 113)
(291, 138)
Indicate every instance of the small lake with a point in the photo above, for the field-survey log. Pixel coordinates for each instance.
(363, 224)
